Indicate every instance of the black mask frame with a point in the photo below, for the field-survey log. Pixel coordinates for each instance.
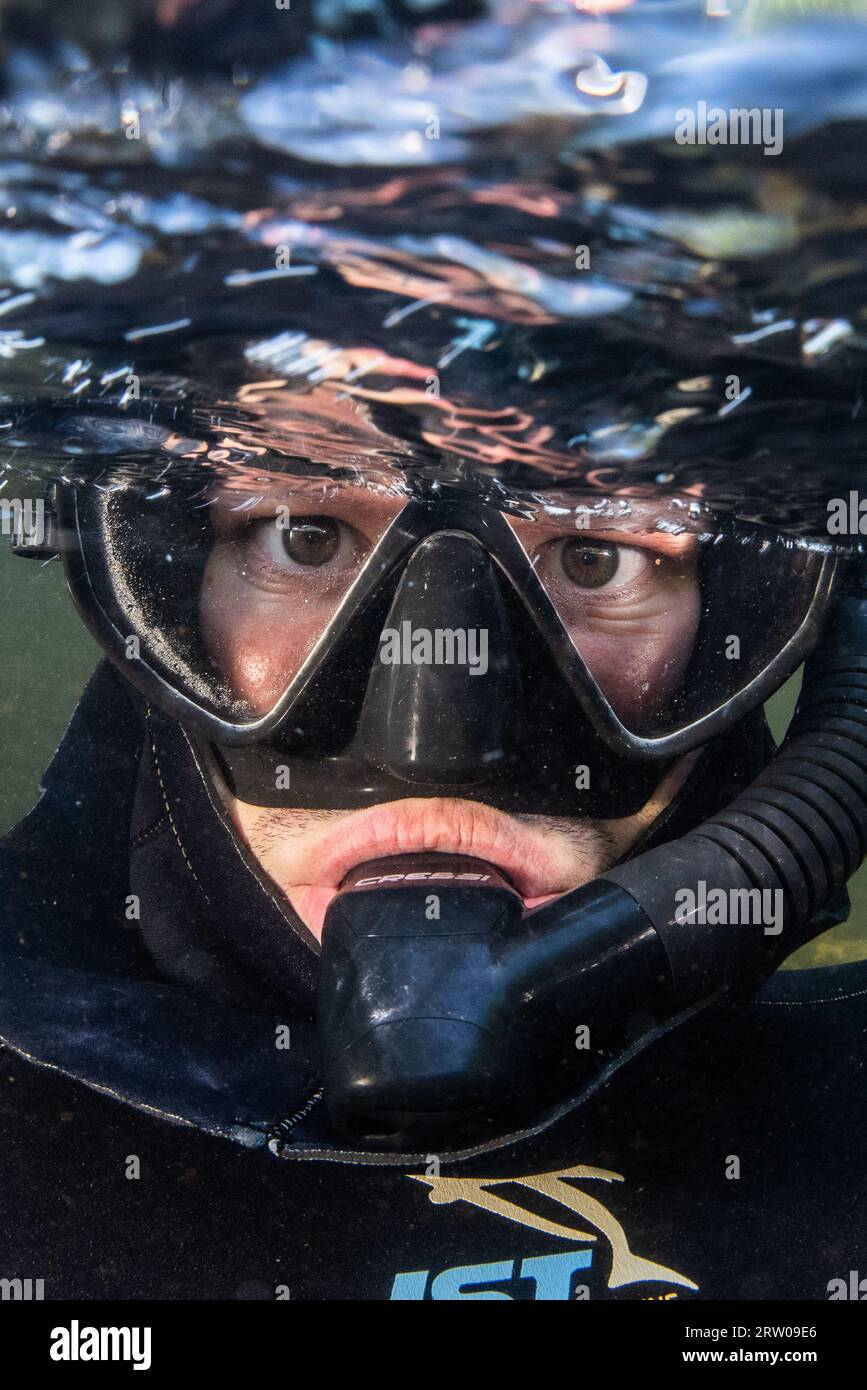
(437, 508)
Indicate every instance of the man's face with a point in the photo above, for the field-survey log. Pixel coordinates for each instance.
(283, 559)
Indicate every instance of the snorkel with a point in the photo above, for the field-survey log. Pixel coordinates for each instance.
(448, 1031)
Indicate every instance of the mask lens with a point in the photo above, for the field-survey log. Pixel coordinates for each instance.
(228, 585)
(672, 612)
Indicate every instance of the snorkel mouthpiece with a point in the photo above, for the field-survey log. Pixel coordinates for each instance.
(449, 1018)
(444, 1013)
(403, 1019)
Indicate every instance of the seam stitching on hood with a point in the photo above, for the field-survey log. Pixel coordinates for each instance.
(153, 832)
(174, 827)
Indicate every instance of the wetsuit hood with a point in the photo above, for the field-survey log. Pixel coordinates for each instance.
(146, 955)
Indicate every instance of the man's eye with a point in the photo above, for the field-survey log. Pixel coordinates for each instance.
(593, 564)
(590, 564)
(312, 540)
(325, 549)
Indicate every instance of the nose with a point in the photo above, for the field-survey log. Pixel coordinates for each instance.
(438, 697)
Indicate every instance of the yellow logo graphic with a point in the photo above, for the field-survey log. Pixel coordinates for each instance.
(626, 1267)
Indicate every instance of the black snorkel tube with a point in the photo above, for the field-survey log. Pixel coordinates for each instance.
(448, 1018)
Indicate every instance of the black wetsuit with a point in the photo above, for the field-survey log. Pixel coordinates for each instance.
(141, 1039)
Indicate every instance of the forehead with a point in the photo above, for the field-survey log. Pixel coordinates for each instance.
(247, 489)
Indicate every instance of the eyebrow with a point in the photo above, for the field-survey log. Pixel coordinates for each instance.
(237, 504)
(664, 542)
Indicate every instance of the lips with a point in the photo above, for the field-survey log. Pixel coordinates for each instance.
(538, 865)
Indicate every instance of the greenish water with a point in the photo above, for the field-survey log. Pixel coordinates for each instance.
(48, 655)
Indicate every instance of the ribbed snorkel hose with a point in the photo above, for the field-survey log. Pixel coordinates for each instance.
(798, 832)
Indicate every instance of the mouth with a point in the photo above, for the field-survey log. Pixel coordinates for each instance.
(540, 865)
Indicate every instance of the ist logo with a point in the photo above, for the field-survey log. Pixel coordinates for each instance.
(549, 1276)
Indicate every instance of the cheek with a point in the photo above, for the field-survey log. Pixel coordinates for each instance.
(257, 640)
(639, 665)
